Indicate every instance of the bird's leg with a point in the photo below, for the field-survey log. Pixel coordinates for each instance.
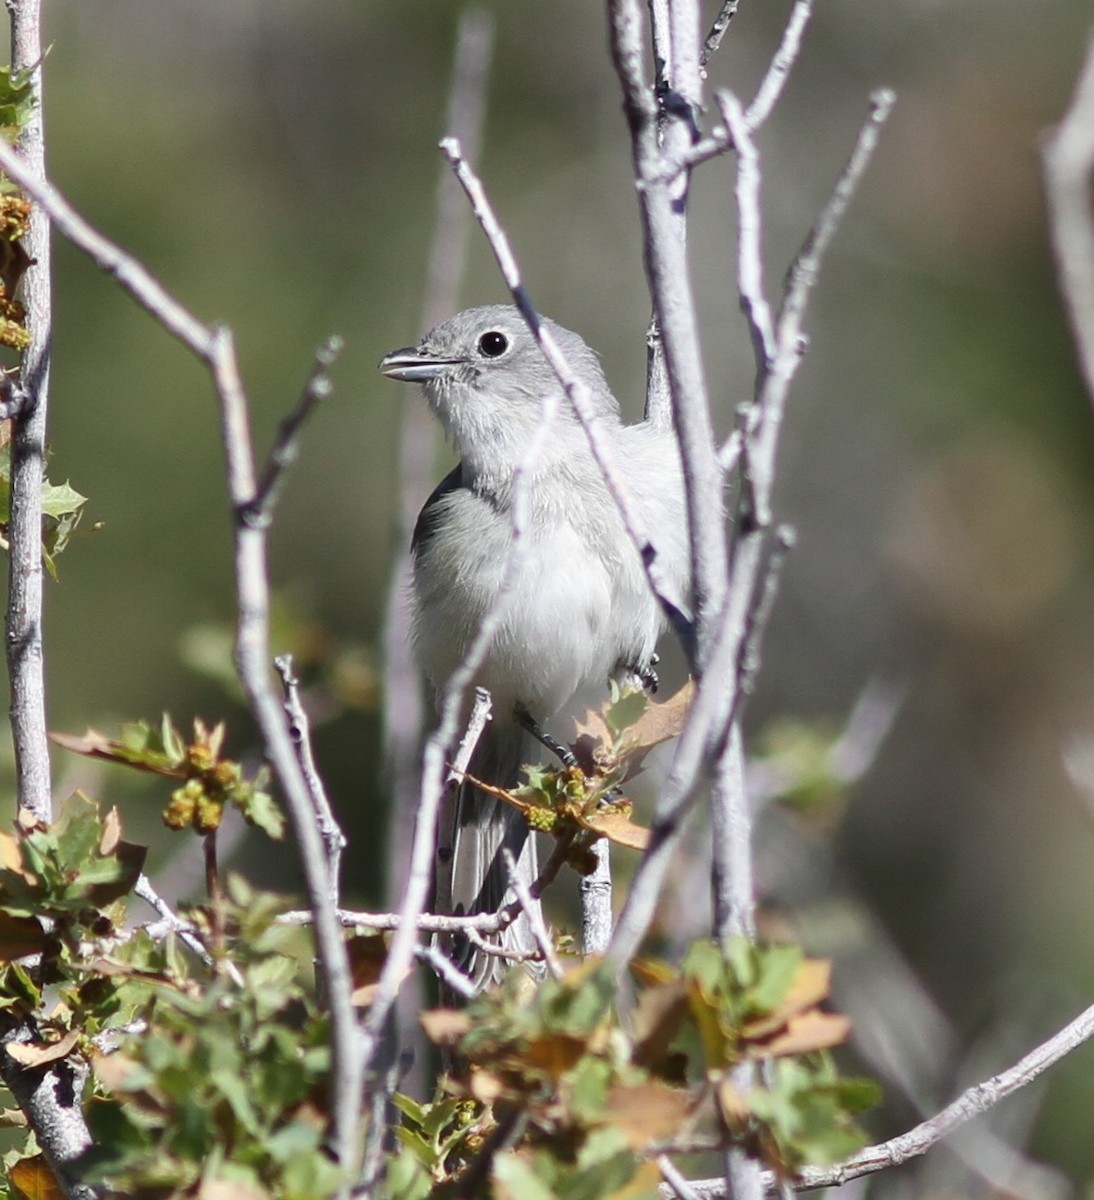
(645, 673)
(532, 726)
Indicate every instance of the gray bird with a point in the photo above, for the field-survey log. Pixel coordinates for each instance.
(579, 610)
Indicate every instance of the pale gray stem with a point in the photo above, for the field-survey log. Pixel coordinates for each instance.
(972, 1102)
(23, 623)
(1068, 158)
(664, 250)
(534, 913)
(404, 709)
(51, 1097)
(771, 87)
(718, 29)
(300, 732)
(252, 656)
(671, 601)
(596, 901)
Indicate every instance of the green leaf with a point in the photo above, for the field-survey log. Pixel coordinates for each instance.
(776, 968)
(262, 810)
(16, 101)
(626, 711)
(515, 1179)
(407, 1179)
(61, 499)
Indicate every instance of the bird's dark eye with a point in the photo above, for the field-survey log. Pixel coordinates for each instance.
(493, 343)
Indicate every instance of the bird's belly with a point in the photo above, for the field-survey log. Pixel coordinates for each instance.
(552, 638)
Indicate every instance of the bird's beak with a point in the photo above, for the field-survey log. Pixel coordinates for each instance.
(412, 366)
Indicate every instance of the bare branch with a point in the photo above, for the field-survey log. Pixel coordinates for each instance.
(481, 713)
(50, 1098)
(214, 347)
(180, 928)
(666, 267)
(771, 86)
(927, 1134)
(447, 971)
(534, 914)
(252, 662)
(427, 922)
(672, 603)
(750, 277)
(132, 275)
(23, 619)
(677, 1184)
(718, 30)
(285, 449)
(1068, 158)
(300, 733)
(595, 891)
(803, 273)
(731, 843)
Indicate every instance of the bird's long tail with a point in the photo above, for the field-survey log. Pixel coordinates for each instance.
(483, 827)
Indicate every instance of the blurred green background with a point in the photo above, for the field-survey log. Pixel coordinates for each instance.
(274, 163)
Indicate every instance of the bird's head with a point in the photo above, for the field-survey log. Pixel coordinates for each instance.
(486, 378)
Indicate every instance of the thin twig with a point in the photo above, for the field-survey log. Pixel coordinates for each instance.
(252, 656)
(299, 730)
(677, 1184)
(534, 914)
(286, 445)
(805, 269)
(1068, 158)
(718, 30)
(771, 86)
(130, 274)
(972, 1102)
(481, 713)
(420, 872)
(750, 279)
(731, 844)
(446, 970)
(748, 664)
(427, 922)
(665, 253)
(182, 929)
(671, 601)
(214, 347)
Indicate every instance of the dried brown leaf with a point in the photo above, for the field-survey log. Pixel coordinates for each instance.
(114, 1070)
(445, 1026)
(20, 936)
(555, 1053)
(33, 1180)
(657, 1018)
(646, 1112)
(367, 955)
(617, 827)
(814, 1030)
(112, 832)
(664, 721)
(732, 1105)
(38, 1054)
(809, 987)
(11, 857)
